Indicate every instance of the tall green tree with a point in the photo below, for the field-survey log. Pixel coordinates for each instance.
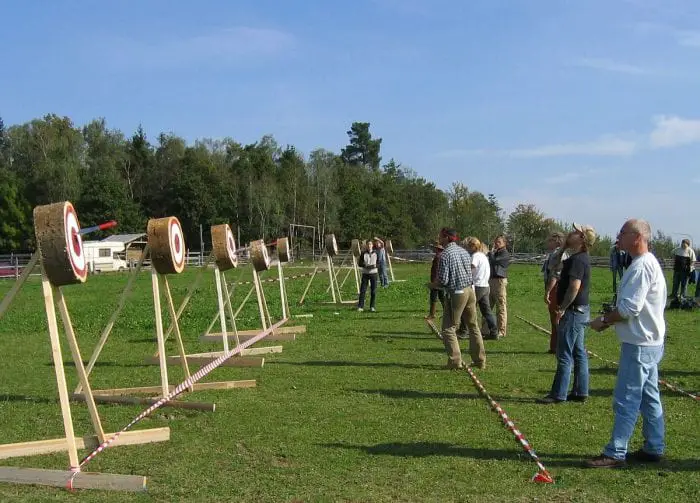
(474, 214)
(528, 229)
(105, 193)
(15, 223)
(363, 150)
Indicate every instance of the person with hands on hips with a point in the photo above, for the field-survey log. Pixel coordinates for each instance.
(638, 319)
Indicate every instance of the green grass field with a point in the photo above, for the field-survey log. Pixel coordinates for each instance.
(359, 408)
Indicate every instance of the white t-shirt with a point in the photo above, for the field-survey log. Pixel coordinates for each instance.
(641, 301)
(482, 269)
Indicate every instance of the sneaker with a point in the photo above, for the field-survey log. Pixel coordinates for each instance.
(604, 461)
(359, 309)
(372, 309)
(643, 456)
(575, 398)
(548, 400)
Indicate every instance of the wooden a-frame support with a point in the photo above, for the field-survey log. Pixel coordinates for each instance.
(70, 443)
(281, 333)
(332, 282)
(122, 395)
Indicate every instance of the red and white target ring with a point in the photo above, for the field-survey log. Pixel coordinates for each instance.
(177, 243)
(231, 246)
(74, 242)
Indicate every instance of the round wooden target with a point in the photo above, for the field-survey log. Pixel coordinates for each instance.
(389, 247)
(331, 245)
(284, 251)
(259, 255)
(57, 232)
(355, 248)
(167, 244)
(224, 247)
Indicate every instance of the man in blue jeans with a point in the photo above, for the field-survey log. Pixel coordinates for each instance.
(573, 314)
(639, 323)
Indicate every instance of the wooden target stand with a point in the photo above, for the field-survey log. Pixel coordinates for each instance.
(331, 250)
(167, 257)
(353, 254)
(60, 252)
(261, 262)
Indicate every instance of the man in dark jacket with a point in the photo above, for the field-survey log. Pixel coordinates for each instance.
(499, 258)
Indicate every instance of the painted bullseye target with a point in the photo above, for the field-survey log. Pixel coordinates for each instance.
(355, 247)
(224, 247)
(167, 243)
(259, 255)
(331, 245)
(57, 232)
(284, 251)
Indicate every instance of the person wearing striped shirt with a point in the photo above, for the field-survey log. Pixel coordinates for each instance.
(455, 277)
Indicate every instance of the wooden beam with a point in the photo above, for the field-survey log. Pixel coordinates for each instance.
(296, 329)
(265, 350)
(243, 361)
(216, 337)
(36, 447)
(83, 480)
(199, 386)
(132, 400)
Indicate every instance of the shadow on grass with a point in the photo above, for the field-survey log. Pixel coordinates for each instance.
(411, 393)
(441, 349)
(337, 363)
(102, 364)
(26, 399)
(425, 449)
(678, 373)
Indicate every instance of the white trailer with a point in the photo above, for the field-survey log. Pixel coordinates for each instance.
(110, 254)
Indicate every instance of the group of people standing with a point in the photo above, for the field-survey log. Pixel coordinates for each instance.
(638, 319)
(463, 276)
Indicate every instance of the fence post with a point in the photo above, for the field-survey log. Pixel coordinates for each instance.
(16, 267)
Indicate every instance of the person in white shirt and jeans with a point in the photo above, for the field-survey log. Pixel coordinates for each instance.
(639, 323)
(481, 272)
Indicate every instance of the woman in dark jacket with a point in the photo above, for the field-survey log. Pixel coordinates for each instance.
(435, 293)
(368, 263)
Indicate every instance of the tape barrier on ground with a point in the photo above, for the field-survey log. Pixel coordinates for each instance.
(663, 382)
(542, 474)
(187, 383)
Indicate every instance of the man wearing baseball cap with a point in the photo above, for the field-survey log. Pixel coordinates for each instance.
(574, 314)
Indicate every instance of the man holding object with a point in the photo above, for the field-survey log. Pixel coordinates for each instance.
(639, 323)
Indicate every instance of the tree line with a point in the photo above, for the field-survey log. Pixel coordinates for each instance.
(259, 188)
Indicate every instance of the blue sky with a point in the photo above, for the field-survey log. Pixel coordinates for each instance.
(589, 109)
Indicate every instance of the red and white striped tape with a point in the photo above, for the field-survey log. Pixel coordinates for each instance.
(542, 474)
(663, 382)
(178, 389)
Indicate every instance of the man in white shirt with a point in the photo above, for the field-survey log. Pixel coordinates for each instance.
(639, 323)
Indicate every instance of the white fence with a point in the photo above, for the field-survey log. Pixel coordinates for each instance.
(12, 265)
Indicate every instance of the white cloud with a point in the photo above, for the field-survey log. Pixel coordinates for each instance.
(669, 131)
(673, 131)
(221, 47)
(609, 65)
(604, 146)
(687, 38)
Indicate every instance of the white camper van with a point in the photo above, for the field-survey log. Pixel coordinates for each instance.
(104, 256)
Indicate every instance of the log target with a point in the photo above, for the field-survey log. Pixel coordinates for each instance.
(259, 255)
(284, 250)
(389, 247)
(355, 247)
(331, 245)
(167, 244)
(57, 232)
(224, 247)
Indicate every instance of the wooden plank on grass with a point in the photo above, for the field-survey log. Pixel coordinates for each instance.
(83, 480)
(87, 442)
(216, 337)
(243, 361)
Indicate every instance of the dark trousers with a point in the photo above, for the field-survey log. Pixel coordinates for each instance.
(372, 280)
(482, 300)
(680, 282)
(437, 293)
